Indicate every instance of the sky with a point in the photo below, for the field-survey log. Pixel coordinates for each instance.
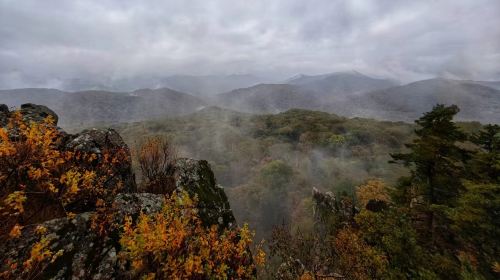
(44, 42)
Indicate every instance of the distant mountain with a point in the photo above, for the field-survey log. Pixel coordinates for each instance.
(340, 84)
(268, 98)
(408, 102)
(197, 85)
(209, 85)
(348, 94)
(326, 92)
(90, 107)
(491, 84)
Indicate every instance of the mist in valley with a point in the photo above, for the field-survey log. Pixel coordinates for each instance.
(279, 97)
(212, 106)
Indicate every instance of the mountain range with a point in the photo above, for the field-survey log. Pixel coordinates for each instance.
(350, 94)
(85, 108)
(196, 85)
(408, 102)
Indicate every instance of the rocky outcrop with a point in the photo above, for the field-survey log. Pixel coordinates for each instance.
(196, 177)
(84, 253)
(95, 140)
(98, 141)
(37, 113)
(327, 204)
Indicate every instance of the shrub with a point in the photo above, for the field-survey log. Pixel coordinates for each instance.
(39, 180)
(372, 190)
(173, 244)
(156, 159)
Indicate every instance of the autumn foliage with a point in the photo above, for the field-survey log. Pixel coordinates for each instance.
(39, 180)
(156, 158)
(374, 190)
(173, 244)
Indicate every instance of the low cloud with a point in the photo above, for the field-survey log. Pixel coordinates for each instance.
(43, 42)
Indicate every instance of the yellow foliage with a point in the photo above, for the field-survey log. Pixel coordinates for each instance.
(358, 259)
(39, 252)
(15, 201)
(35, 172)
(496, 267)
(372, 190)
(173, 244)
(306, 276)
(39, 258)
(41, 229)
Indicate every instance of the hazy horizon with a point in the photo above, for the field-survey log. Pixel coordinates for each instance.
(45, 43)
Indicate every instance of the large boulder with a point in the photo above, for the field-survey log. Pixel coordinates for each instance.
(37, 113)
(99, 141)
(104, 143)
(84, 254)
(196, 177)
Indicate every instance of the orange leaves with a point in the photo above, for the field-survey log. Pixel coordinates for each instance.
(6, 147)
(174, 243)
(74, 180)
(15, 201)
(260, 256)
(156, 157)
(358, 259)
(41, 253)
(495, 267)
(306, 276)
(15, 232)
(36, 171)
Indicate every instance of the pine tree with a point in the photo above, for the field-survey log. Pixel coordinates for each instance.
(437, 167)
(436, 160)
(485, 164)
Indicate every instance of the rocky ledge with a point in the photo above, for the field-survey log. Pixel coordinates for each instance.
(85, 254)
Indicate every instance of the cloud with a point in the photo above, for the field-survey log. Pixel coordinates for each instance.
(47, 40)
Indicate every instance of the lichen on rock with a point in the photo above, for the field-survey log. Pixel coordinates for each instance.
(197, 178)
(84, 252)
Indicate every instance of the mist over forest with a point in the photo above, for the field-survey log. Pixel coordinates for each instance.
(250, 140)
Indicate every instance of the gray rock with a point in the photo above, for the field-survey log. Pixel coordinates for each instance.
(196, 177)
(326, 204)
(324, 201)
(73, 237)
(98, 141)
(95, 140)
(37, 113)
(84, 253)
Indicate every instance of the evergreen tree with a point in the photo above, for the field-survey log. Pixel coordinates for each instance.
(436, 160)
(485, 164)
(437, 168)
(476, 222)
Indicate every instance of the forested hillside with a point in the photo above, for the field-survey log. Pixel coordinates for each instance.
(269, 163)
(438, 222)
(304, 179)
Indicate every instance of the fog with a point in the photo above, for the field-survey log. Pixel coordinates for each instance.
(47, 43)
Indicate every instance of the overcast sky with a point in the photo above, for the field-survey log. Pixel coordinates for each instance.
(44, 41)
